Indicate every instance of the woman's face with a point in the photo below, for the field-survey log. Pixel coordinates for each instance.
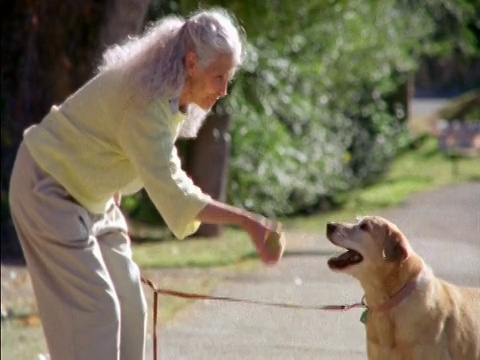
(205, 85)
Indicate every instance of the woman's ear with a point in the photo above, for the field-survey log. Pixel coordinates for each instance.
(190, 62)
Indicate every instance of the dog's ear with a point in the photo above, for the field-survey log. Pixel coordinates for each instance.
(394, 247)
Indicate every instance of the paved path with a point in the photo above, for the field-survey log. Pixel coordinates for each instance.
(443, 227)
(427, 106)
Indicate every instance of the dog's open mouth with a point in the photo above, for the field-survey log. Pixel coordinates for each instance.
(351, 257)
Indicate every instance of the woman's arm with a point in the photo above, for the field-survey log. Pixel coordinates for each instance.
(216, 212)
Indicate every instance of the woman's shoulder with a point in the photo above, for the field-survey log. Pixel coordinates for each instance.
(100, 86)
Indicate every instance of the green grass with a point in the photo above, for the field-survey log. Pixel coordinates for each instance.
(423, 168)
(232, 247)
(22, 341)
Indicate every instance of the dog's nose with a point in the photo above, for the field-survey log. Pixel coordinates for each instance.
(331, 228)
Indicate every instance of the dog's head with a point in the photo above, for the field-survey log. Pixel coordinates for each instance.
(371, 242)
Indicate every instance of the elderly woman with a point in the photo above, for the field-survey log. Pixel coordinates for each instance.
(114, 136)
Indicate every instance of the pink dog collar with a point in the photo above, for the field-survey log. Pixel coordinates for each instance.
(398, 297)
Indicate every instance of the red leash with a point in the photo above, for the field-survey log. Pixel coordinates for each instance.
(194, 296)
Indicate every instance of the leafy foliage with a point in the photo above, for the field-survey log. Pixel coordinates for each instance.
(311, 111)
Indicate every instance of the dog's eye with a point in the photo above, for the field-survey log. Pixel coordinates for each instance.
(365, 226)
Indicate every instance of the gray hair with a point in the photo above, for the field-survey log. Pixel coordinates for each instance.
(154, 61)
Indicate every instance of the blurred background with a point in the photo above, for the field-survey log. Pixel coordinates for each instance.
(321, 107)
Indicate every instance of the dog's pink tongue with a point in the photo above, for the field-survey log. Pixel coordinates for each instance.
(347, 258)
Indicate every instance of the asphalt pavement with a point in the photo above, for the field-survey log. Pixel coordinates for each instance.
(443, 227)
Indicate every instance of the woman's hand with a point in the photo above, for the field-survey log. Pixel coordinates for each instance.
(266, 234)
(268, 237)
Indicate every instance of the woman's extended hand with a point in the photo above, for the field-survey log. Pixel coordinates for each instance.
(266, 234)
(268, 237)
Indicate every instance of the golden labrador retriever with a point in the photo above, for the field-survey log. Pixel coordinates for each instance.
(412, 315)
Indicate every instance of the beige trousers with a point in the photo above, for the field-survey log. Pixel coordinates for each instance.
(88, 290)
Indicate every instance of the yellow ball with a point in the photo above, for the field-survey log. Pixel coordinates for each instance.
(275, 244)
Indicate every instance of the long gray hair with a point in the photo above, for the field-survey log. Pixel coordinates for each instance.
(154, 61)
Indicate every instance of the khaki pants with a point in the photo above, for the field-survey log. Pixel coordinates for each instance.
(87, 287)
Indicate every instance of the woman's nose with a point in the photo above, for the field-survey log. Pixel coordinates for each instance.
(222, 88)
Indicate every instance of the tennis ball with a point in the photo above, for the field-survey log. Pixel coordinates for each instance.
(274, 246)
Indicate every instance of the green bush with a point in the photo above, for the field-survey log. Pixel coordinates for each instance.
(312, 115)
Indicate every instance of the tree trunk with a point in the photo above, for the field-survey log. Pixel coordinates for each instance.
(124, 17)
(207, 162)
(401, 98)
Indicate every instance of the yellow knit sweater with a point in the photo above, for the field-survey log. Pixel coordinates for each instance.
(101, 140)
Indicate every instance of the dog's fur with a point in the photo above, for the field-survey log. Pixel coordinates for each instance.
(437, 320)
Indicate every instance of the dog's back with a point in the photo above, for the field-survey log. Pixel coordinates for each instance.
(462, 326)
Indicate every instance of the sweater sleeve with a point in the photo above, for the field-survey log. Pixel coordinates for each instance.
(148, 140)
